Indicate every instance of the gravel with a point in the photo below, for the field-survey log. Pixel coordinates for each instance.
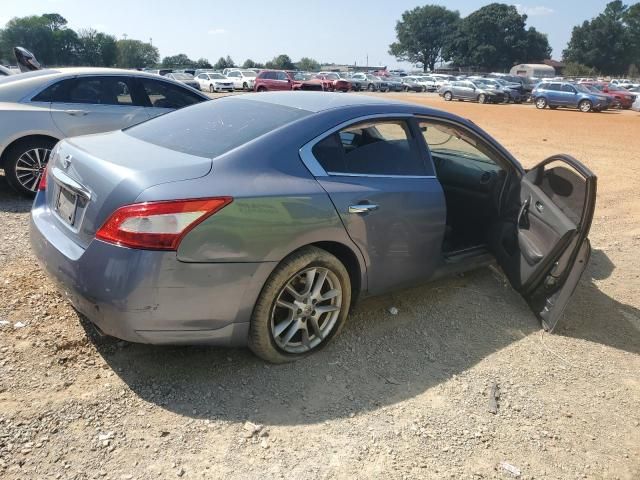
(397, 396)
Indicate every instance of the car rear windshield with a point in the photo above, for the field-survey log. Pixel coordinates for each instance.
(213, 128)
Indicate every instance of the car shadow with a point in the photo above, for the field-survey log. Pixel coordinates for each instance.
(10, 201)
(442, 329)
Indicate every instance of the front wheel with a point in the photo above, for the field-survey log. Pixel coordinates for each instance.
(482, 98)
(448, 96)
(25, 164)
(541, 103)
(302, 306)
(245, 86)
(371, 87)
(585, 106)
(212, 88)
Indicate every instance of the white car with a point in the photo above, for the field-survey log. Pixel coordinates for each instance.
(214, 82)
(636, 104)
(428, 83)
(37, 109)
(242, 79)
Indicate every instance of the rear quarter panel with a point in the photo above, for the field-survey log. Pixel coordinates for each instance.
(19, 120)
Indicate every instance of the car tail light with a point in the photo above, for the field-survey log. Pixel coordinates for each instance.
(158, 225)
(42, 185)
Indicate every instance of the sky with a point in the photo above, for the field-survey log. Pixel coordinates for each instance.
(340, 31)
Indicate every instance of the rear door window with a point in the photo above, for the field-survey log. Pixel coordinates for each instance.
(166, 95)
(385, 148)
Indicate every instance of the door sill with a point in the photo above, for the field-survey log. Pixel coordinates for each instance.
(455, 256)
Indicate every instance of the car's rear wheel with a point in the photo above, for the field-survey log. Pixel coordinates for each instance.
(25, 164)
(585, 106)
(303, 304)
(541, 103)
(262, 89)
(448, 96)
(482, 98)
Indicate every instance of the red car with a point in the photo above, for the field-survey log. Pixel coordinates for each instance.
(334, 83)
(620, 96)
(272, 80)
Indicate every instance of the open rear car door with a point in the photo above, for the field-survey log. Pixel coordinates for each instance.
(542, 243)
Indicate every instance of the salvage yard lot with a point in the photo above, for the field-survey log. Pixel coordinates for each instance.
(404, 396)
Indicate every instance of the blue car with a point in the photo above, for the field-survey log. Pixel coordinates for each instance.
(571, 95)
(259, 219)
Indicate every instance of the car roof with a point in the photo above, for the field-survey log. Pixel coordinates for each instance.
(320, 101)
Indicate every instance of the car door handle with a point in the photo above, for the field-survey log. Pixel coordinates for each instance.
(364, 208)
(76, 113)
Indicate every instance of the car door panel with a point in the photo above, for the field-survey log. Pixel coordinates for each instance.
(544, 249)
(400, 239)
(91, 105)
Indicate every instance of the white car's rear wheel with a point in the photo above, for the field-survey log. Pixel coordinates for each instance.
(25, 164)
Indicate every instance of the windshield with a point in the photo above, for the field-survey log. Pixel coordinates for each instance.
(249, 73)
(616, 88)
(302, 76)
(217, 76)
(182, 76)
(212, 128)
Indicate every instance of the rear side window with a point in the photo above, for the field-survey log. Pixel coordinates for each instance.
(373, 148)
(166, 95)
(215, 127)
(568, 88)
(53, 93)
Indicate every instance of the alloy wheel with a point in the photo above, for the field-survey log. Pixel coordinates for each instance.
(30, 167)
(541, 103)
(306, 310)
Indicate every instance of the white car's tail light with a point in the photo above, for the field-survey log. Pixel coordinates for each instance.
(158, 225)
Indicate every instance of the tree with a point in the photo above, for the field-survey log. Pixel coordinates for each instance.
(424, 35)
(494, 37)
(202, 63)
(175, 61)
(230, 62)
(572, 69)
(33, 33)
(248, 63)
(136, 54)
(632, 20)
(605, 42)
(308, 64)
(221, 64)
(281, 62)
(96, 48)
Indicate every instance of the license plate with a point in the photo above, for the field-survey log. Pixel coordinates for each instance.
(66, 205)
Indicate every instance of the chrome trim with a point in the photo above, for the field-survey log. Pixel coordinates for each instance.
(340, 174)
(364, 208)
(306, 154)
(66, 181)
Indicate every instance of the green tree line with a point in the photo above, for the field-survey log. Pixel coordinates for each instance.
(496, 37)
(55, 44)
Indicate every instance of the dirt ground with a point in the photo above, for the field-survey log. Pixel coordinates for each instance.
(396, 397)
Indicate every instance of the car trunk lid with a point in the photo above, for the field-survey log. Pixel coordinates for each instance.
(91, 176)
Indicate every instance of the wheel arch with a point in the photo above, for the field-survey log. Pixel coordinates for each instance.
(25, 138)
(350, 260)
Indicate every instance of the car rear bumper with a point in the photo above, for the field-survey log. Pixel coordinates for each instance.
(149, 296)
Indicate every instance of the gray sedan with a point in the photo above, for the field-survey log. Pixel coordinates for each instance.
(39, 108)
(259, 219)
(469, 90)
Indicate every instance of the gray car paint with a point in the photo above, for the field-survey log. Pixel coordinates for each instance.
(205, 292)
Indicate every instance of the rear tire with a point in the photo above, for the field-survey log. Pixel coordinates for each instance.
(262, 89)
(25, 163)
(276, 306)
(541, 103)
(371, 87)
(448, 96)
(585, 106)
